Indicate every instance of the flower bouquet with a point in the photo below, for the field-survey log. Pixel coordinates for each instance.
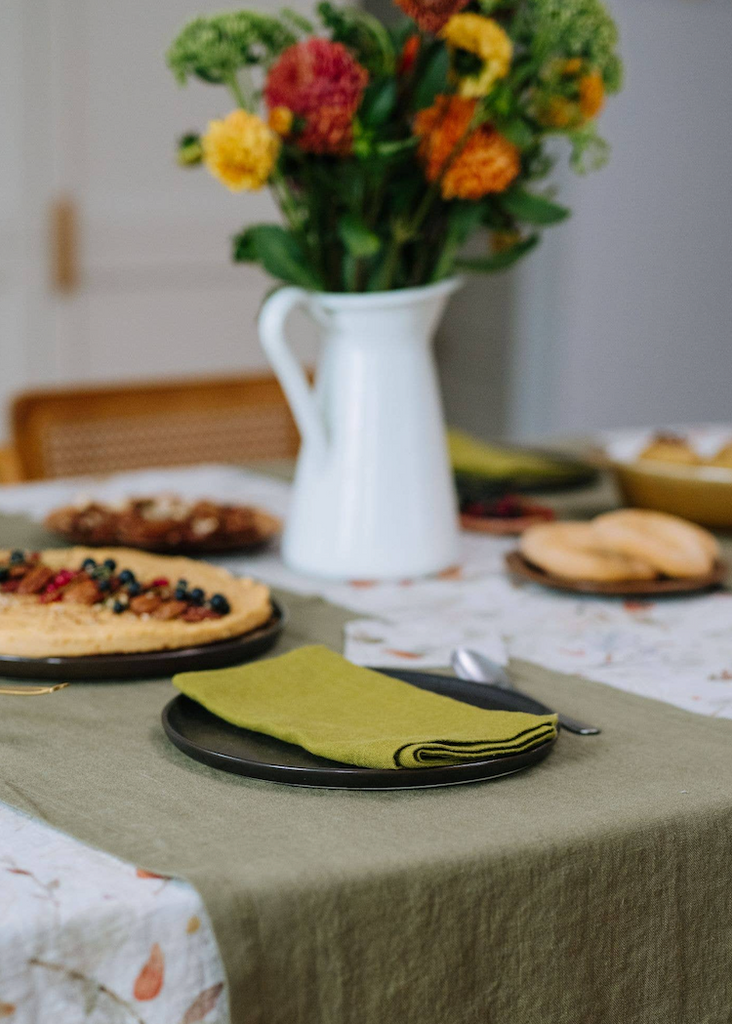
(387, 148)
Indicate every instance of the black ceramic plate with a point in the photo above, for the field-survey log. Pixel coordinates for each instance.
(148, 664)
(207, 738)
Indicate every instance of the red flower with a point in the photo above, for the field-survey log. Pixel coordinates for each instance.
(322, 83)
(327, 130)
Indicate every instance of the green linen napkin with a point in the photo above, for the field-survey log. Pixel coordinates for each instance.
(479, 458)
(316, 699)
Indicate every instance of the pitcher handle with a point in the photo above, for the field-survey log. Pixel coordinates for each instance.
(272, 320)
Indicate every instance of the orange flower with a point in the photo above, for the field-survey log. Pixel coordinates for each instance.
(592, 95)
(280, 121)
(431, 15)
(486, 162)
(441, 127)
(409, 54)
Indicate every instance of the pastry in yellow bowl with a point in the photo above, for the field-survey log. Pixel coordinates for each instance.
(670, 448)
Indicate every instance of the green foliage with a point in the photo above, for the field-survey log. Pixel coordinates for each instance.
(433, 79)
(214, 48)
(358, 239)
(378, 104)
(499, 260)
(367, 218)
(463, 219)
(190, 150)
(533, 209)
(364, 34)
(279, 252)
(570, 28)
(590, 152)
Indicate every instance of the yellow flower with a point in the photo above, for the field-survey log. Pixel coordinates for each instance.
(559, 112)
(571, 67)
(240, 151)
(280, 120)
(481, 52)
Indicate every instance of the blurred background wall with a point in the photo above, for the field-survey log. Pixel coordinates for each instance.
(114, 262)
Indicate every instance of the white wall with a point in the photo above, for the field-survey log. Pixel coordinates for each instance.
(625, 314)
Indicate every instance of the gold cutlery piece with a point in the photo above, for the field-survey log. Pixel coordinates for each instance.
(31, 691)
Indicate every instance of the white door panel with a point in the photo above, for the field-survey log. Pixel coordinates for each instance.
(91, 112)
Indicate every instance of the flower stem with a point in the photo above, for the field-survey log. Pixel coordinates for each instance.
(236, 91)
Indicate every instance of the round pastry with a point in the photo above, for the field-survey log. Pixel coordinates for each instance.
(73, 602)
(670, 448)
(722, 458)
(574, 551)
(671, 545)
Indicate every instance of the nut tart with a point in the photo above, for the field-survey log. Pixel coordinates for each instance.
(75, 602)
(165, 523)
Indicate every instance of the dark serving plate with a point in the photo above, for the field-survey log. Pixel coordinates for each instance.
(149, 664)
(522, 569)
(209, 739)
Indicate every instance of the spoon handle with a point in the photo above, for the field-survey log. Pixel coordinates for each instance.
(476, 667)
(572, 725)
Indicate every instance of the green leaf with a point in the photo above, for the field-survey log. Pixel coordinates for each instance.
(533, 209)
(388, 149)
(499, 260)
(434, 78)
(378, 103)
(278, 251)
(357, 238)
(463, 221)
(297, 21)
(362, 33)
(519, 132)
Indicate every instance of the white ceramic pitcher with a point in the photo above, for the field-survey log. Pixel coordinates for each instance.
(373, 497)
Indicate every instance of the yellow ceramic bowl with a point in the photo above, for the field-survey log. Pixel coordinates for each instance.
(702, 494)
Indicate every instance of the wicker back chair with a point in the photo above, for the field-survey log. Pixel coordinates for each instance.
(68, 432)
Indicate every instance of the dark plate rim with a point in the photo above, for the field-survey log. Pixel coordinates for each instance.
(521, 568)
(274, 625)
(343, 776)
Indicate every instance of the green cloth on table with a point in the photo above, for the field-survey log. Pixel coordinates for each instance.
(320, 701)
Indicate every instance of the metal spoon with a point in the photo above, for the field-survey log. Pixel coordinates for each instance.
(30, 691)
(480, 669)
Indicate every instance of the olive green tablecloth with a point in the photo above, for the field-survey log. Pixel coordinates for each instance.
(595, 888)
